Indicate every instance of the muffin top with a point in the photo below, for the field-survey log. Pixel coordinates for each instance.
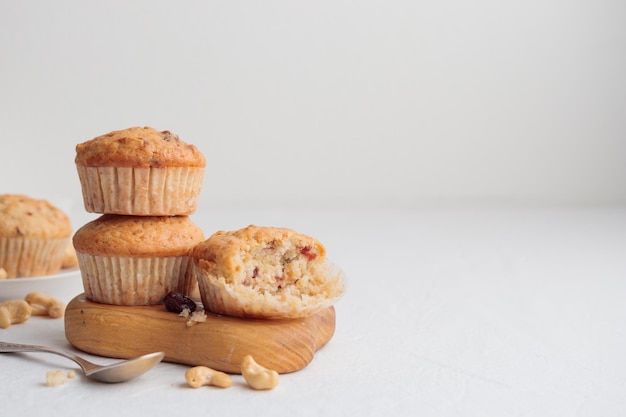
(23, 216)
(138, 147)
(138, 236)
(223, 248)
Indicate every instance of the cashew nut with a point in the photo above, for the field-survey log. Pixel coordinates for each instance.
(70, 259)
(257, 376)
(202, 375)
(3, 273)
(13, 312)
(45, 305)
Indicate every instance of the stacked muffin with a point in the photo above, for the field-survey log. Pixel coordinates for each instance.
(145, 183)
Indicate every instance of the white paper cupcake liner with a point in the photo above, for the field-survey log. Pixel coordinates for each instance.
(141, 191)
(221, 298)
(30, 257)
(132, 281)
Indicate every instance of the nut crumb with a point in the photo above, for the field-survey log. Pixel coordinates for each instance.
(55, 378)
(71, 374)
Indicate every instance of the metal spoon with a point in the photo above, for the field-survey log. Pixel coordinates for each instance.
(117, 372)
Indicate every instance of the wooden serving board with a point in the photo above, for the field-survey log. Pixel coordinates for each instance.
(220, 342)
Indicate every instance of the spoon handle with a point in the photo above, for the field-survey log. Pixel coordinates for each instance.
(6, 347)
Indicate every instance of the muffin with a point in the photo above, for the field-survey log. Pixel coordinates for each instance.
(33, 236)
(265, 272)
(141, 172)
(136, 260)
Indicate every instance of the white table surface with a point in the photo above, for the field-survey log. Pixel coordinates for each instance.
(468, 312)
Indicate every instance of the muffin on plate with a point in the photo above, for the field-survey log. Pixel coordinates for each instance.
(33, 236)
(140, 171)
(265, 272)
(136, 260)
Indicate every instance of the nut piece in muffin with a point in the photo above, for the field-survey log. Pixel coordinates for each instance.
(136, 260)
(33, 236)
(265, 272)
(140, 171)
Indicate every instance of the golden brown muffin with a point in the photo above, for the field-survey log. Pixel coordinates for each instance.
(265, 272)
(140, 171)
(33, 236)
(136, 260)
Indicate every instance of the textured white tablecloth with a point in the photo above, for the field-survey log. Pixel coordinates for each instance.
(468, 312)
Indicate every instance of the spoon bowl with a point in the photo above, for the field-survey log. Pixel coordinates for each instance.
(118, 372)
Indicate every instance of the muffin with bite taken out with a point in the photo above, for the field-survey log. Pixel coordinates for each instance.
(265, 272)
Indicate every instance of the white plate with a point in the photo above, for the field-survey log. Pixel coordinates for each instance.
(65, 285)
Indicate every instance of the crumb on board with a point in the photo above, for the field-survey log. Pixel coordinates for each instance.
(197, 316)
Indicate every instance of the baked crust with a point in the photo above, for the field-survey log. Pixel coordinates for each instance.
(23, 216)
(138, 147)
(138, 236)
(33, 236)
(219, 252)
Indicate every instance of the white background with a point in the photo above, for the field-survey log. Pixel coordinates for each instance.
(462, 161)
(340, 104)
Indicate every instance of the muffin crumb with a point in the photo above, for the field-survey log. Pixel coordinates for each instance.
(198, 316)
(55, 378)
